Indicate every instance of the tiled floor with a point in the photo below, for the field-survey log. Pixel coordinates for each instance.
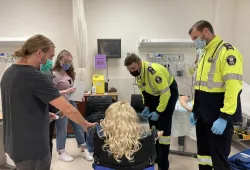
(176, 162)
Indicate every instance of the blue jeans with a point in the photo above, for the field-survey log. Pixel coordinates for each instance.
(90, 135)
(61, 132)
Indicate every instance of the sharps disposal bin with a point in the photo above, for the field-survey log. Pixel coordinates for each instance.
(98, 82)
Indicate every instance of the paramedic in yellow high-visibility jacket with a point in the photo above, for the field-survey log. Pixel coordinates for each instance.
(160, 94)
(218, 85)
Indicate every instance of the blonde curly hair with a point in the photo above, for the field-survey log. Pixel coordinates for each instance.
(122, 131)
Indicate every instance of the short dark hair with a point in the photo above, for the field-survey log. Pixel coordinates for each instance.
(200, 25)
(132, 58)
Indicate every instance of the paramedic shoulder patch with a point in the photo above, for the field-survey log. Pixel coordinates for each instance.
(231, 60)
(151, 70)
(158, 79)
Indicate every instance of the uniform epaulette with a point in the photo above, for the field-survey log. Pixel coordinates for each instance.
(228, 46)
(151, 70)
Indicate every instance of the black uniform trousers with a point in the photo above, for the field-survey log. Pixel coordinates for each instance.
(216, 146)
(51, 128)
(164, 123)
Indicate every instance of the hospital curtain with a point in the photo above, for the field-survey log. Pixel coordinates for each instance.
(80, 38)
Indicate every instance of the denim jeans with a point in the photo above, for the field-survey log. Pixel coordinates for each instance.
(61, 132)
(42, 163)
(90, 135)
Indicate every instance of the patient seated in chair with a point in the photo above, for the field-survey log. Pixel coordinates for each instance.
(120, 143)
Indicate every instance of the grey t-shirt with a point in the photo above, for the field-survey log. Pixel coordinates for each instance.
(49, 73)
(26, 93)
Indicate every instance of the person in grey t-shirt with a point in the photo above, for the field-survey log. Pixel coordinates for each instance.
(26, 93)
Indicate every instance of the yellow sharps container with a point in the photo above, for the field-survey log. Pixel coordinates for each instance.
(98, 82)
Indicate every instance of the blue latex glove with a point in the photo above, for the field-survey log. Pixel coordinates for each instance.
(219, 126)
(192, 120)
(146, 112)
(154, 116)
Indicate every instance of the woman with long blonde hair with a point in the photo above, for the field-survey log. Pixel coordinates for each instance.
(121, 142)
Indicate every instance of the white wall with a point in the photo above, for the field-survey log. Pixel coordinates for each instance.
(128, 20)
(26, 18)
(131, 20)
(242, 34)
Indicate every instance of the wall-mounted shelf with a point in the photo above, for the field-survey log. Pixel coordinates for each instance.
(12, 40)
(177, 43)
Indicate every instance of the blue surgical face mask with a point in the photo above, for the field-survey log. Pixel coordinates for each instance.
(66, 66)
(200, 44)
(47, 66)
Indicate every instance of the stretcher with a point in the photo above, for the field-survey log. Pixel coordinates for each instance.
(245, 105)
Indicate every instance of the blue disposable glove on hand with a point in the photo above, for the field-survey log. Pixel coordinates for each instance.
(146, 112)
(219, 126)
(154, 116)
(192, 119)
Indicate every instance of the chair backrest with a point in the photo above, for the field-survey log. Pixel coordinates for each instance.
(96, 107)
(136, 102)
(96, 167)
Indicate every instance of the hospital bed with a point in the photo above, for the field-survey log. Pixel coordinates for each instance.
(245, 105)
(180, 124)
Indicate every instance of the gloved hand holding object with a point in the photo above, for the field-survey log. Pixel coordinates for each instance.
(146, 112)
(154, 116)
(219, 126)
(192, 119)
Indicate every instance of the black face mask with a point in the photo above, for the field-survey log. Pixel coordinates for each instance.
(135, 73)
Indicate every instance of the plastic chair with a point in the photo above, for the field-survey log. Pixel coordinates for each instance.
(136, 102)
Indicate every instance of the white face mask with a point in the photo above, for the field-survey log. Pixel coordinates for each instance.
(200, 44)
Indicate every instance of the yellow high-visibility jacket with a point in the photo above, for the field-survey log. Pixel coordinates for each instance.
(220, 72)
(155, 79)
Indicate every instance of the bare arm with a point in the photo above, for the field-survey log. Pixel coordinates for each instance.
(71, 112)
(67, 91)
(183, 102)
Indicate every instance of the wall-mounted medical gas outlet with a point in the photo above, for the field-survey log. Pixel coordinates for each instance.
(153, 57)
(175, 57)
(173, 62)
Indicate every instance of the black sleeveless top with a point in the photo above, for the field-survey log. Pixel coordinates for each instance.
(143, 158)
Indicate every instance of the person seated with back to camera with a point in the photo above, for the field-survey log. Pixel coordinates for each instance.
(120, 142)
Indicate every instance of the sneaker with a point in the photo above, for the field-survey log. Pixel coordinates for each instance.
(86, 155)
(63, 156)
